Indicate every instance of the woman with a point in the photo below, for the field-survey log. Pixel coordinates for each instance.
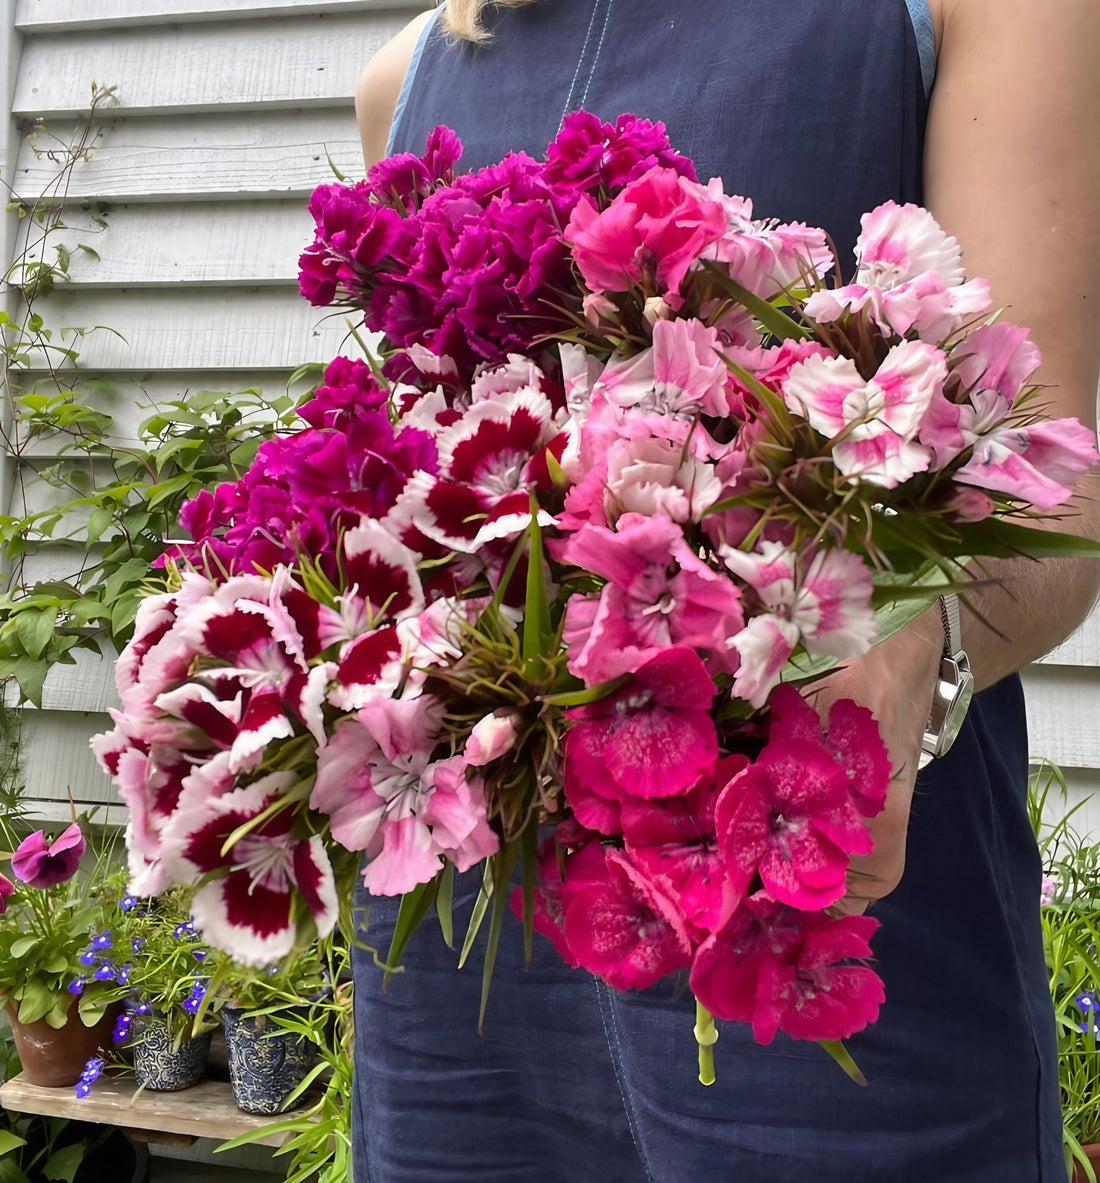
(818, 113)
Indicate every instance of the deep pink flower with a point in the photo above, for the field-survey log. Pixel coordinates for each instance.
(39, 863)
(785, 970)
(790, 819)
(6, 889)
(622, 927)
(652, 738)
(659, 225)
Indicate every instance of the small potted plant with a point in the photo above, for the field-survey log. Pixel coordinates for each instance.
(151, 947)
(1071, 935)
(50, 908)
(268, 1057)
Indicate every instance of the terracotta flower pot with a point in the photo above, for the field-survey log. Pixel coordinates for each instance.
(55, 1056)
(1092, 1151)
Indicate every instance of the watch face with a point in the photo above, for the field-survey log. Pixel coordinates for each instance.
(955, 715)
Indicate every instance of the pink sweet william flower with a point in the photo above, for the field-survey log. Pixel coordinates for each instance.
(1048, 890)
(875, 421)
(492, 737)
(652, 738)
(6, 889)
(825, 605)
(659, 593)
(39, 863)
(618, 924)
(660, 224)
(785, 970)
(790, 818)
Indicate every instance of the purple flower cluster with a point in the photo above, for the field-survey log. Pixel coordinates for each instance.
(93, 1070)
(471, 267)
(304, 490)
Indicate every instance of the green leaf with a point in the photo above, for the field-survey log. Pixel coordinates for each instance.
(536, 612)
(481, 906)
(444, 904)
(1004, 539)
(31, 676)
(64, 1163)
(23, 946)
(502, 865)
(777, 323)
(414, 907)
(10, 1142)
(37, 1001)
(34, 630)
(843, 1057)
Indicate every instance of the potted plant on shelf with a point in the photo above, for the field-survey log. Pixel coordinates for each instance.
(50, 909)
(269, 1056)
(1071, 935)
(167, 1021)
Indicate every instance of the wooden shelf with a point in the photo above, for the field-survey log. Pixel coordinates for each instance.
(206, 1110)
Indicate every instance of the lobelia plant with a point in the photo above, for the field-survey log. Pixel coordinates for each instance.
(1071, 936)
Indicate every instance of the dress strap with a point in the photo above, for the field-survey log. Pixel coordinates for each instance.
(410, 75)
(926, 41)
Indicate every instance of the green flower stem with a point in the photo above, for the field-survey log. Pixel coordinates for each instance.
(706, 1033)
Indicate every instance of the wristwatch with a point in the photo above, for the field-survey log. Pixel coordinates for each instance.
(954, 687)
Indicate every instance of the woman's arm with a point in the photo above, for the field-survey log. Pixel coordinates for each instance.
(1012, 169)
(380, 86)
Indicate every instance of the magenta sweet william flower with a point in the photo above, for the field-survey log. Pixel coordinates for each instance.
(349, 389)
(405, 179)
(790, 818)
(610, 918)
(6, 888)
(652, 738)
(39, 863)
(659, 225)
(785, 970)
(588, 154)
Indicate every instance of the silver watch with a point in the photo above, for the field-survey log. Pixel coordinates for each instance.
(954, 687)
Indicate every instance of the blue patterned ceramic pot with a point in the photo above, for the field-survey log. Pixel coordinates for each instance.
(161, 1066)
(266, 1062)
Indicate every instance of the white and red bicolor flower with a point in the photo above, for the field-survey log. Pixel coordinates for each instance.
(250, 907)
(489, 461)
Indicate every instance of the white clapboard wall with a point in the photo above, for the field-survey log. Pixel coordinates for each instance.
(228, 115)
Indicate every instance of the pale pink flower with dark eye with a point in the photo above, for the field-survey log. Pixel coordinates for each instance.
(368, 774)
(492, 737)
(40, 863)
(785, 970)
(623, 927)
(249, 907)
(652, 738)
(659, 593)
(790, 818)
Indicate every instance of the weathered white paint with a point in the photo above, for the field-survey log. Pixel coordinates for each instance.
(275, 153)
(302, 60)
(1063, 714)
(1081, 647)
(194, 242)
(38, 16)
(198, 328)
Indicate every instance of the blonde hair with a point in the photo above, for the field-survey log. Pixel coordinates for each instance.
(462, 18)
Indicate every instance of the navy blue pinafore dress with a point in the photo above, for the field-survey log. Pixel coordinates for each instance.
(815, 109)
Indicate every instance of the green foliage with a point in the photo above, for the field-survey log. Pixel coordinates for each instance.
(1071, 937)
(43, 933)
(303, 976)
(319, 1146)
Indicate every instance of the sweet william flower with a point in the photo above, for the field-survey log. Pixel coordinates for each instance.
(6, 888)
(39, 863)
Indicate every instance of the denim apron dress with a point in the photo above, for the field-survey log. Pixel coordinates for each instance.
(815, 109)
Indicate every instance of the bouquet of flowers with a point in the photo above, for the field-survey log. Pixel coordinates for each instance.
(538, 592)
